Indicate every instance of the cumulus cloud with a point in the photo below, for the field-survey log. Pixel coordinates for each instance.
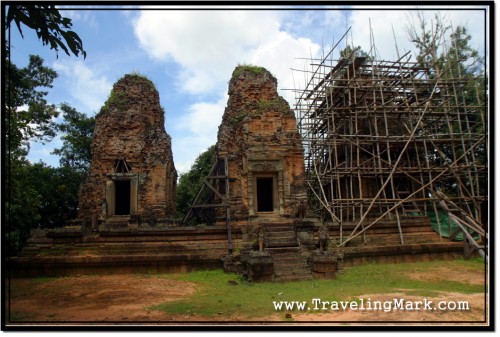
(209, 44)
(196, 131)
(272, 55)
(86, 86)
(383, 23)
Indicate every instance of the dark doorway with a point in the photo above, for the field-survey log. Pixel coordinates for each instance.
(122, 206)
(265, 195)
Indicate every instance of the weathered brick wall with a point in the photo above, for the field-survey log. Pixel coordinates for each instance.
(259, 134)
(130, 127)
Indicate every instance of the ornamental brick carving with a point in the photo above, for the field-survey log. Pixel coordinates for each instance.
(259, 135)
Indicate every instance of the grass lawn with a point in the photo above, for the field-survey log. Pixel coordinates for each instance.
(215, 296)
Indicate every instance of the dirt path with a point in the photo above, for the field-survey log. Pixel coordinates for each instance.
(127, 298)
(94, 298)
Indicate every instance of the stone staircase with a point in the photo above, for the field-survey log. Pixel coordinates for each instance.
(281, 242)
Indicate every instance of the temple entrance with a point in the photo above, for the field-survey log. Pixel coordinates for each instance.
(122, 197)
(265, 194)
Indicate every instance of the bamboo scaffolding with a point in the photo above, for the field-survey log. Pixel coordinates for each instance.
(381, 136)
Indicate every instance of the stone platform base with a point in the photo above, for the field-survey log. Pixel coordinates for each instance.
(72, 252)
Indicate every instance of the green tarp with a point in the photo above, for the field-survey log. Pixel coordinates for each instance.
(448, 227)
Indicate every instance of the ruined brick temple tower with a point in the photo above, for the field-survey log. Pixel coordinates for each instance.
(132, 170)
(259, 135)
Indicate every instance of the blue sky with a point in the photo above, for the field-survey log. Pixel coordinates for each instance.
(190, 55)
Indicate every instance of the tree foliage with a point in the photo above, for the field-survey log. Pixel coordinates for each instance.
(58, 190)
(448, 53)
(49, 25)
(41, 196)
(37, 195)
(29, 116)
(21, 204)
(191, 181)
(349, 53)
(77, 130)
(428, 40)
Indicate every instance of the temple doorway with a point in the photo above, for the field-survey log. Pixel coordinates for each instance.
(265, 194)
(122, 197)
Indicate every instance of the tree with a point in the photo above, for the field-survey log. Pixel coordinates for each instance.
(461, 61)
(50, 27)
(428, 40)
(454, 60)
(191, 181)
(58, 190)
(77, 131)
(29, 116)
(21, 206)
(350, 53)
(41, 197)
(36, 195)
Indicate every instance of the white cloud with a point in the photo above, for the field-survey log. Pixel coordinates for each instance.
(208, 45)
(334, 18)
(43, 152)
(280, 55)
(86, 17)
(84, 84)
(196, 131)
(382, 23)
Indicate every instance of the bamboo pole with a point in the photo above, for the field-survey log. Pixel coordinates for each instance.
(353, 235)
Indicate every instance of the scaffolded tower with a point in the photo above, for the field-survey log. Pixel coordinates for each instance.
(384, 139)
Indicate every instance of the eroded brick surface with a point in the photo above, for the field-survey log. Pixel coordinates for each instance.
(130, 145)
(259, 135)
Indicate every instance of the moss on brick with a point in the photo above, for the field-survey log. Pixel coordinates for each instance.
(250, 68)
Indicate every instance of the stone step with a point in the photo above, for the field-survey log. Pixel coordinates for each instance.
(292, 278)
(282, 243)
(303, 273)
(281, 228)
(298, 267)
(289, 265)
(276, 223)
(285, 258)
(296, 271)
(280, 237)
(284, 250)
(280, 234)
(290, 269)
(288, 259)
(295, 276)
